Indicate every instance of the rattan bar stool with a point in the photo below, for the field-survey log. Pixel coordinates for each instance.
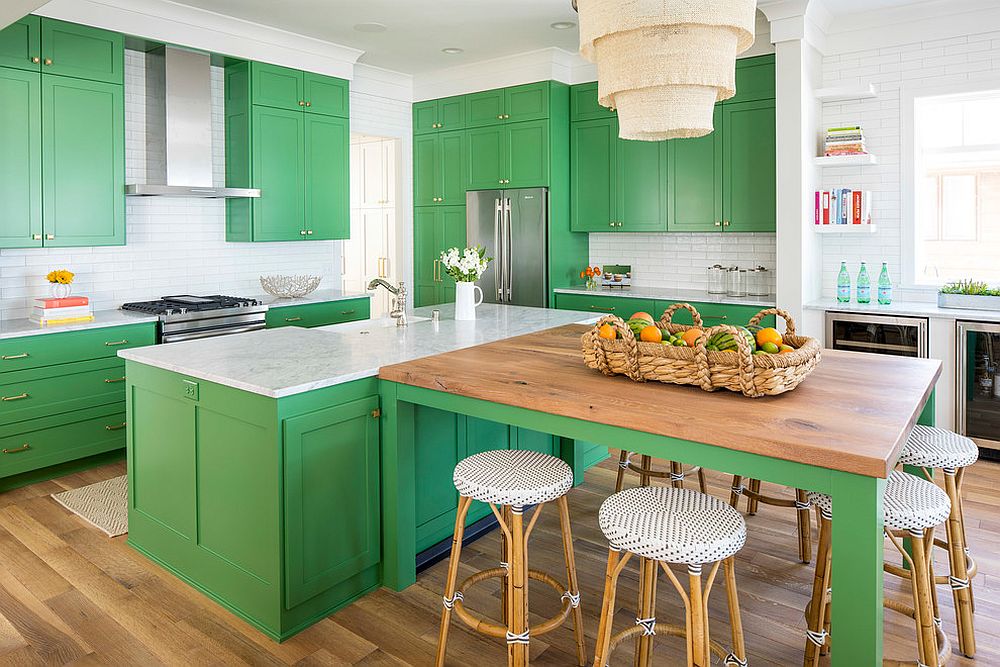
(913, 508)
(510, 481)
(928, 448)
(646, 472)
(801, 504)
(662, 525)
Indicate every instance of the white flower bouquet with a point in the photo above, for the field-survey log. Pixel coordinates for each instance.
(465, 266)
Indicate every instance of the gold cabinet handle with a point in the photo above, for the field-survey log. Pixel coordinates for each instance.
(302, 103)
(8, 357)
(116, 343)
(36, 59)
(376, 413)
(48, 61)
(36, 237)
(309, 232)
(611, 224)
(606, 310)
(302, 232)
(348, 312)
(725, 223)
(506, 116)
(50, 237)
(718, 224)
(309, 104)
(115, 427)
(499, 116)
(293, 319)
(620, 223)
(715, 317)
(23, 448)
(14, 398)
(113, 380)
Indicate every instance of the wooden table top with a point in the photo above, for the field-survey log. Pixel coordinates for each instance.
(852, 413)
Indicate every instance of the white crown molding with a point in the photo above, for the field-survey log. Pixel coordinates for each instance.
(162, 20)
(12, 10)
(796, 20)
(380, 82)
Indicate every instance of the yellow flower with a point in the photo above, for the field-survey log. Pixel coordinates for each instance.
(61, 276)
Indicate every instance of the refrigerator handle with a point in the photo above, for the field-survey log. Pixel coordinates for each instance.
(498, 260)
(507, 252)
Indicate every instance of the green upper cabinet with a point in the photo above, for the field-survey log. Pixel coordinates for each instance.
(326, 95)
(583, 103)
(83, 162)
(327, 177)
(754, 79)
(83, 52)
(438, 176)
(749, 167)
(641, 193)
(514, 104)
(20, 159)
(21, 44)
(515, 155)
(275, 86)
(279, 172)
(695, 187)
(485, 161)
(435, 115)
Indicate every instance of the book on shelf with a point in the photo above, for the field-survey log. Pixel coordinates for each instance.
(61, 312)
(63, 302)
(845, 141)
(843, 206)
(58, 321)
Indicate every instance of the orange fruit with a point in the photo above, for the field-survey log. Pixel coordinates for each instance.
(607, 331)
(691, 336)
(643, 315)
(768, 335)
(651, 334)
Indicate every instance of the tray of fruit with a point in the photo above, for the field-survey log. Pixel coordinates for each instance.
(754, 360)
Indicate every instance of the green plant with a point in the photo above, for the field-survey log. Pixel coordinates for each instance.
(972, 287)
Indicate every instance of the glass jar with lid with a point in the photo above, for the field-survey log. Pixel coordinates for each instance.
(758, 282)
(737, 282)
(717, 279)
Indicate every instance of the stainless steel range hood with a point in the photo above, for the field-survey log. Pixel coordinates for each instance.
(179, 128)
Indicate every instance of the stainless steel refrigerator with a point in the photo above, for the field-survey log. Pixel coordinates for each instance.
(513, 227)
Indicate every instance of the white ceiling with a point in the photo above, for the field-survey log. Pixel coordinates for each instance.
(417, 30)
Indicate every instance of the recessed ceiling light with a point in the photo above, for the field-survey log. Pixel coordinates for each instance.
(562, 25)
(370, 27)
(452, 50)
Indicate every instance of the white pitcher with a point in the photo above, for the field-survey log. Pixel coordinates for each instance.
(465, 300)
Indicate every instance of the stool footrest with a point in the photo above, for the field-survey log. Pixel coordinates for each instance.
(499, 631)
(666, 629)
(771, 500)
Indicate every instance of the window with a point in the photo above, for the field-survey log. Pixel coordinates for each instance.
(956, 159)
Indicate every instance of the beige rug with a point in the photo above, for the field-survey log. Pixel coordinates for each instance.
(105, 504)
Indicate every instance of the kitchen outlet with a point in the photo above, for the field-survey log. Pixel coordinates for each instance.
(190, 389)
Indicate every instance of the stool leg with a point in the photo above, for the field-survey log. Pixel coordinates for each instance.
(736, 491)
(572, 586)
(517, 594)
(926, 632)
(701, 481)
(608, 607)
(961, 586)
(645, 611)
(677, 471)
(698, 638)
(505, 558)
(739, 648)
(622, 467)
(816, 613)
(753, 503)
(805, 526)
(959, 477)
(647, 463)
(449, 586)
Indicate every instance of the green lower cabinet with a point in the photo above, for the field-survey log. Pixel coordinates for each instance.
(435, 228)
(52, 390)
(18, 354)
(713, 314)
(623, 307)
(21, 158)
(319, 314)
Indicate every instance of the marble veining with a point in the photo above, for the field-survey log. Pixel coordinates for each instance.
(670, 294)
(911, 308)
(292, 360)
(102, 318)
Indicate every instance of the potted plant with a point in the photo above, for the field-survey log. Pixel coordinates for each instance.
(971, 294)
(466, 267)
(61, 281)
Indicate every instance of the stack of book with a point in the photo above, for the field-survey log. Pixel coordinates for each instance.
(845, 141)
(843, 207)
(68, 310)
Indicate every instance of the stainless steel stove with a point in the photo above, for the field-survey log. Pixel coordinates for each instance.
(187, 317)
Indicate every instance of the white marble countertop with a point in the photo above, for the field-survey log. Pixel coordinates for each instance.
(102, 318)
(292, 360)
(906, 308)
(669, 294)
(319, 296)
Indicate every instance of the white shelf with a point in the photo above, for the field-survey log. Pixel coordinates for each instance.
(846, 93)
(845, 160)
(844, 229)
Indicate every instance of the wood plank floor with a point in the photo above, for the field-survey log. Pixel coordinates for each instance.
(69, 595)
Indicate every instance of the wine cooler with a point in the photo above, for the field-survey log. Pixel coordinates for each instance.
(978, 391)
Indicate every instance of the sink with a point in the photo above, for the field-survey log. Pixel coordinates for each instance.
(364, 326)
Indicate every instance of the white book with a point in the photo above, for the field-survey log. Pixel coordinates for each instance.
(60, 313)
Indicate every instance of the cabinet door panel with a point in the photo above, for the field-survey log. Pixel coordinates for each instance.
(20, 159)
(83, 52)
(279, 172)
(275, 86)
(750, 170)
(83, 162)
(451, 113)
(485, 108)
(425, 254)
(20, 45)
(332, 493)
(527, 102)
(583, 103)
(623, 307)
(327, 179)
(450, 154)
(437, 451)
(485, 157)
(754, 79)
(592, 174)
(642, 186)
(426, 170)
(425, 117)
(452, 232)
(694, 194)
(326, 95)
(527, 154)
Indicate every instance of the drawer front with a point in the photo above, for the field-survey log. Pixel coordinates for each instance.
(623, 307)
(59, 348)
(54, 389)
(713, 314)
(40, 443)
(318, 314)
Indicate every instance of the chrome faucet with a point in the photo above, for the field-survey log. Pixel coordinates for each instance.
(398, 310)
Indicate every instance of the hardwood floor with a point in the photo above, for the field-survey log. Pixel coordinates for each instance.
(69, 595)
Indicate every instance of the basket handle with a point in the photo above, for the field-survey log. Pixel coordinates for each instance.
(743, 350)
(627, 338)
(783, 314)
(668, 314)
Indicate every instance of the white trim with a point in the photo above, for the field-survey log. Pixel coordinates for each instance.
(12, 10)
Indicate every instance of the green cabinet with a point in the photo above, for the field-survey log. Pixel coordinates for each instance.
(287, 133)
(514, 155)
(20, 159)
(436, 115)
(21, 44)
(83, 52)
(623, 306)
(310, 315)
(749, 167)
(694, 192)
(438, 177)
(435, 229)
(583, 103)
(713, 314)
(617, 185)
(514, 104)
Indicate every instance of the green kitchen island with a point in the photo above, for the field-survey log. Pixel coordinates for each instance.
(256, 472)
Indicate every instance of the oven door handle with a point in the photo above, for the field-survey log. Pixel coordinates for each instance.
(194, 335)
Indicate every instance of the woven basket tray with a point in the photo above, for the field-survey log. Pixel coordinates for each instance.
(742, 371)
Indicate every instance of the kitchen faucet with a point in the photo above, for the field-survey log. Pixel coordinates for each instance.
(398, 310)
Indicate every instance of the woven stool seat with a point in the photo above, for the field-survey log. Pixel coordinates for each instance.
(513, 477)
(672, 525)
(910, 503)
(931, 447)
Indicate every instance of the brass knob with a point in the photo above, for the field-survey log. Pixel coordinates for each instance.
(302, 103)
(302, 232)
(440, 124)
(36, 59)
(611, 224)
(36, 237)
(309, 232)
(725, 223)
(620, 223)
(506, 116)
(48, 61)
(309, 104)
(499, 116)
(50, 237)
(718, 224)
